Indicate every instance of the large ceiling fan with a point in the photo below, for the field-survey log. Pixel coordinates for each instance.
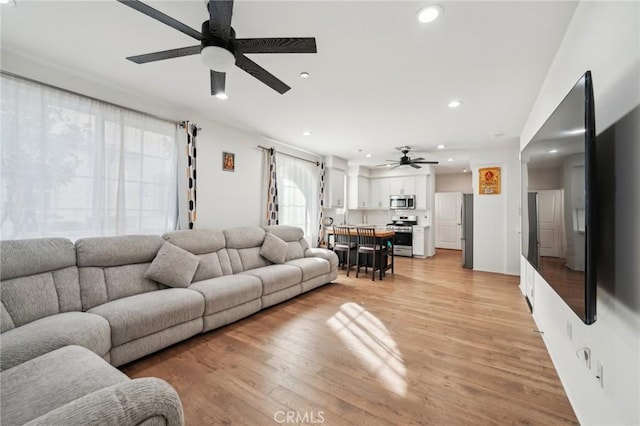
(405, 160)
(219, 47)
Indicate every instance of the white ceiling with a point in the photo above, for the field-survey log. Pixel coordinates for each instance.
(379, 80)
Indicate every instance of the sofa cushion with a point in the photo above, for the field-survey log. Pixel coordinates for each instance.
(28, 257)
(324, 254)
(276, 277)
(273, 248)
(52, 380)
(173, 266)
(53, 332)
(227, 292)
(116, 251)
(311, 267)
(143, 314)
(197, 241)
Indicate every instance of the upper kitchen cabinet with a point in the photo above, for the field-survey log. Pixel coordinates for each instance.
(421, 192)
(358, 188)
(336, 195)
(405, 185)
(379, 192)
(335, 186)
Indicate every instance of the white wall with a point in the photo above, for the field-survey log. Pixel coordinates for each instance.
(224, 199)
(454, 182)
(545, 178)
(496, 218)
(603, 37)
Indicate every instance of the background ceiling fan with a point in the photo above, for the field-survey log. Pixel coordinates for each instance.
(219, 47)
(405, 160)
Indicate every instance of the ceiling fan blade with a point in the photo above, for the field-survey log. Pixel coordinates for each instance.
(395, 167)
(261, 74)
(220, 12)
(277, 45)
(159, 16)
(385, 165)
(165, 54)
(426, 162)
(417, 159)
(415, 166)
(218, 80)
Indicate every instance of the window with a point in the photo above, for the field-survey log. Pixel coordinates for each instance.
(75, 167)
(298, 186)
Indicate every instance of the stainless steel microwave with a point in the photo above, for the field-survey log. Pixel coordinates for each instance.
(402, 202)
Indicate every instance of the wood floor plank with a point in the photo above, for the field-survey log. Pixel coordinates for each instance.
(431, 344)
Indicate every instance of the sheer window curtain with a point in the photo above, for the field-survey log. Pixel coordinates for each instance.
(298, 187)
(75, 167)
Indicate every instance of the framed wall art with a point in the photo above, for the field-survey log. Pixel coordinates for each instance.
(489, 181)
(228, 162)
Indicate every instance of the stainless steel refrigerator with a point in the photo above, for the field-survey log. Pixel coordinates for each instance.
(466, 216)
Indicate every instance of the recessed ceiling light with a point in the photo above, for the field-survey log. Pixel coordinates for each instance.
(9, 2)
(454, 103)
(430, 13)
(222, 96)
(368, 155)
(464, 170)
(553, 151)
(388, 165)
(306, 133)
(304, 74)
(440, 146)
(450, 160)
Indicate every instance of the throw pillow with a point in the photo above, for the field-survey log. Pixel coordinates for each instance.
(173, 266)
(273, 248)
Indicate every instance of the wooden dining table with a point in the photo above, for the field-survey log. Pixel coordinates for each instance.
(383, 237)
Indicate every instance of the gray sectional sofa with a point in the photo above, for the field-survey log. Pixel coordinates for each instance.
(69, 310)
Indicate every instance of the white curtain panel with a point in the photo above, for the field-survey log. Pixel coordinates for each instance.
(298, 187)
(75, 167)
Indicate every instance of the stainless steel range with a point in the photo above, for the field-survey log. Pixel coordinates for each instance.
(403, 226)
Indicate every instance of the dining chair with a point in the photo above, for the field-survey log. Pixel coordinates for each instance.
(367, 244)
(343, 243)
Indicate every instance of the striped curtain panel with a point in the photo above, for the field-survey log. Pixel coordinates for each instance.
(321, 205)
(272, 189)
(192, 132)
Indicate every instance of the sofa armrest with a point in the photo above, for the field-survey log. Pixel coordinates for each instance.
(325, 254)
(127, 403)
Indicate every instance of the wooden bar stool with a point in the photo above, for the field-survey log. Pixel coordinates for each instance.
(343, 243)
(367, 244)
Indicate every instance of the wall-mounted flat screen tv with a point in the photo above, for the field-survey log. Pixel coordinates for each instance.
(559, 200)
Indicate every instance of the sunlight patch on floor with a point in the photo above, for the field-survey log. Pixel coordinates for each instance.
(370, 341)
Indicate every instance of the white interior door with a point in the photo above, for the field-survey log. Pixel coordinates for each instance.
(448, 218)
(550, 212)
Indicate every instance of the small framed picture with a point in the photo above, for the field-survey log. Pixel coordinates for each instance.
(228, 162)
(489, 183)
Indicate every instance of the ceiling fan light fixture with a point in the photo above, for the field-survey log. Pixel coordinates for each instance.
(218, 58)
(429, 13)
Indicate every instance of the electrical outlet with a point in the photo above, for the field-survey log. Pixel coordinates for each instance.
(569, 330)
(599, 372)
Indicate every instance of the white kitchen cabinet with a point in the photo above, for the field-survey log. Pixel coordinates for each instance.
(419, 241)
(405, 185)
(421, 192)
(380, 193)
(358, 189)
(335, 195)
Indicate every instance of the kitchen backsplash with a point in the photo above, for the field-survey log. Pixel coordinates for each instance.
(372, 217)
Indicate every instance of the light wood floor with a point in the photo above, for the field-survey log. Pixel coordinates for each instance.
(431, 344)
